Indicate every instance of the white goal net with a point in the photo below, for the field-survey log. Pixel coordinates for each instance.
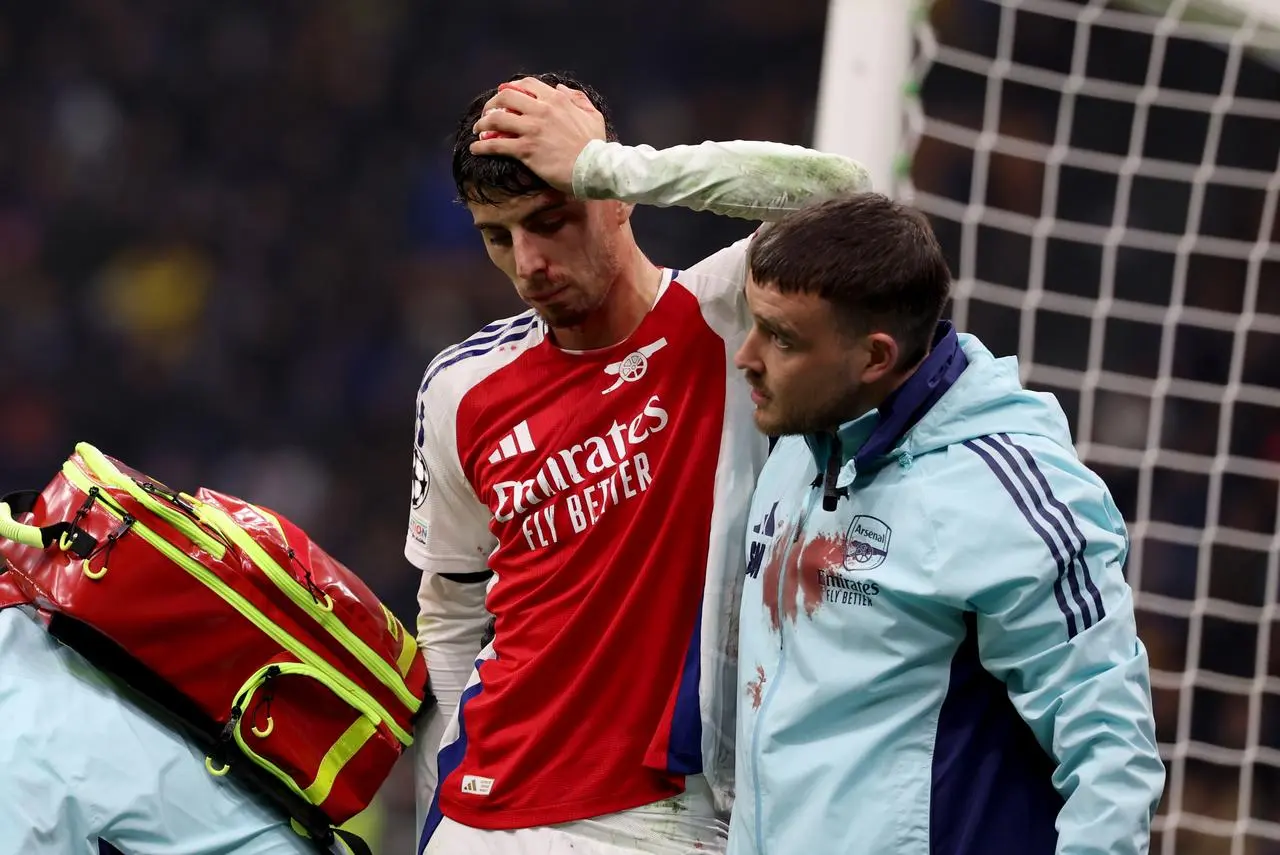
(1105, 178)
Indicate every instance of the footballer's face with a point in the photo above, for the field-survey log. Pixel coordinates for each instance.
(562, 254)
(806, 374)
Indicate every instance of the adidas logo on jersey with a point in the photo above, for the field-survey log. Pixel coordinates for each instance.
(513, 444)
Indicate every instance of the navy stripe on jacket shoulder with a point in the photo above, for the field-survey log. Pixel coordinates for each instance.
(1067, 552)
(1073, 547)
(1062, 509)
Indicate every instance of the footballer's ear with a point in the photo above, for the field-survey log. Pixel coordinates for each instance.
(624, 212)
(881, 351)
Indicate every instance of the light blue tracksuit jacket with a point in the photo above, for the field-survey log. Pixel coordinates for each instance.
(938, 653)
(88, 767)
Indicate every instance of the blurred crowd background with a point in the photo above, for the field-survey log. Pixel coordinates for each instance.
(229, 247)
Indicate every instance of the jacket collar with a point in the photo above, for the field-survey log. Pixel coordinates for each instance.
(872, 435)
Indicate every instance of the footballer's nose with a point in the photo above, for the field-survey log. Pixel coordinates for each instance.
(530, 261)
(748, 356)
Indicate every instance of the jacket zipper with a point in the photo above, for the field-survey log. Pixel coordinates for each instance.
(811, 501)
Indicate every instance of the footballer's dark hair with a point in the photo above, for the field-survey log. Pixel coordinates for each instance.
(487, 179)
(876, 261)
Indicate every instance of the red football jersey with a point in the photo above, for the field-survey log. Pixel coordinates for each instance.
(607, 492)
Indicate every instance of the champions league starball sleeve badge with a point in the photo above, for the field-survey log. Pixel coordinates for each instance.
(421, 478)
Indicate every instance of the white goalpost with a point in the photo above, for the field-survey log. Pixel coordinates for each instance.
(1105, 177)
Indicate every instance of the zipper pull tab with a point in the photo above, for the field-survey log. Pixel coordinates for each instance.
(228, 730)
(830, 495)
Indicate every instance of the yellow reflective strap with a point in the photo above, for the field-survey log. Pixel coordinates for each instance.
(408, 649)
(337, 758)
(269, 517)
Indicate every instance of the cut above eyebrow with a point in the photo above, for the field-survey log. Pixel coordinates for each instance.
(482, 225)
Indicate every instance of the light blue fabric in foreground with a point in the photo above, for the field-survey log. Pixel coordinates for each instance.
(82, 762)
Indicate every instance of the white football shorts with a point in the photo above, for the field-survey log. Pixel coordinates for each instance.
(681, 825)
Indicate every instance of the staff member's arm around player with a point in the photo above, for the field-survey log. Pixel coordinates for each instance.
(595, 454)
(938, 651)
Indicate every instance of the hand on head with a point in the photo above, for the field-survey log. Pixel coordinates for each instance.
(542, 126)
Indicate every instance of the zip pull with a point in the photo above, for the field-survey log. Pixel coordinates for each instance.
(228, 729)
(215, 762)
(268, 694)
(105, 548)
(830, 494)
(237, 708)
(323, 600)
(172, 498)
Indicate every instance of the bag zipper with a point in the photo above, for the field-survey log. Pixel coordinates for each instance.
(284, 581)
(145, 494)
(83, 481)
(265, 675)
(303, 598)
